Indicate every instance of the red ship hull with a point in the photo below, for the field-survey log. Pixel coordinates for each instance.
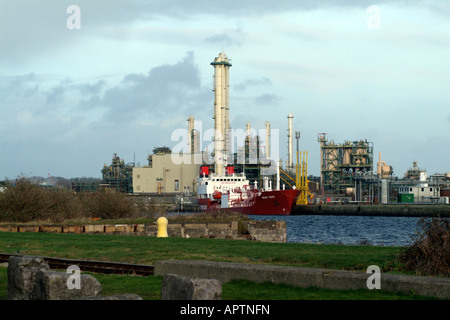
(267, 203)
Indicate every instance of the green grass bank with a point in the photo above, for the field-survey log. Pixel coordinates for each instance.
(147, 250)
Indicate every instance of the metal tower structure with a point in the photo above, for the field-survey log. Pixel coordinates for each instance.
(340, 164)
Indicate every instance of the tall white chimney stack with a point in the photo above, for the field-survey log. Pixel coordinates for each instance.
(221, 111)
(290, 164)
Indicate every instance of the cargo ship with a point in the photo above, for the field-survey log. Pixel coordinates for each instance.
(234, 192)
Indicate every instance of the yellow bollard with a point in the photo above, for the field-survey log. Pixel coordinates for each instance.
(162, 227)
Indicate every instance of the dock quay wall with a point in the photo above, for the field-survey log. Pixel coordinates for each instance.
(263, 231)
(395, 210)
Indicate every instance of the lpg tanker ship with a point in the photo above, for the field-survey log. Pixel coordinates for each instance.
(233, 192)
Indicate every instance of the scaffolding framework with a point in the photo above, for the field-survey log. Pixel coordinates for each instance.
(340, 164)
(118, 176)
(302, 177)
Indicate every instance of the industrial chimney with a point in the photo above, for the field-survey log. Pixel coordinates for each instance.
(290, 162)
(191, 121)
(221, 111)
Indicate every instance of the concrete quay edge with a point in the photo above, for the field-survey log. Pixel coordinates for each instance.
(303, 277)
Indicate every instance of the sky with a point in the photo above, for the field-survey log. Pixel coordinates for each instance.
(79, 84)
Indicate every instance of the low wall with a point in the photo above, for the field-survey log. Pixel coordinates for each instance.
(264, 231)
(303, 277)
(398, 210)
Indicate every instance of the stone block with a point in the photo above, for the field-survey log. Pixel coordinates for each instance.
(124, 228)
(29, 229)
(52, 285)
(51, 229)
(175, 287)
(22, 273)
(8, 229)
(110, 228)
(73, 229)
(93, 228)
(195, 230)
(140, 228)
(175, 230)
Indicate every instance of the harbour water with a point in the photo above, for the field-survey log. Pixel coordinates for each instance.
(350, 230)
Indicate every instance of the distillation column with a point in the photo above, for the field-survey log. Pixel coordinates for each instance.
(221, 111)
(290, 164)
(191, 142)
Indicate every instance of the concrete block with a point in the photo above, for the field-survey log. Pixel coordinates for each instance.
(22, 273)
(304, 277)
(175, 287)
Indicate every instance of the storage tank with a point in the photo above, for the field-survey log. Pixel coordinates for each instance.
(384, 191)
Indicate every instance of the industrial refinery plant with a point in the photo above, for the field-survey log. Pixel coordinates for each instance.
(348, 172)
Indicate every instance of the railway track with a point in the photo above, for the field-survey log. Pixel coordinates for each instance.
(93, 266)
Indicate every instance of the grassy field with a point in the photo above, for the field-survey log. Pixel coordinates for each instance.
(147, 250)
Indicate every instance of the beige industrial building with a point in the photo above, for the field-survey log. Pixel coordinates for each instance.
(163, 176)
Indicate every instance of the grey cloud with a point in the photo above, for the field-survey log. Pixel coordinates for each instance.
(238, 8)
(267, 99)
(40, 119)
(230, 37)
(31, 29)
(163, 90)
(263, 81)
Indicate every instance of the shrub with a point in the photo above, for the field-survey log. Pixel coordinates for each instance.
(429, 253)
(108, 204)
(26, 201)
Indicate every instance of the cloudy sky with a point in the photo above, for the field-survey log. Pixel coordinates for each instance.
(135, 70)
